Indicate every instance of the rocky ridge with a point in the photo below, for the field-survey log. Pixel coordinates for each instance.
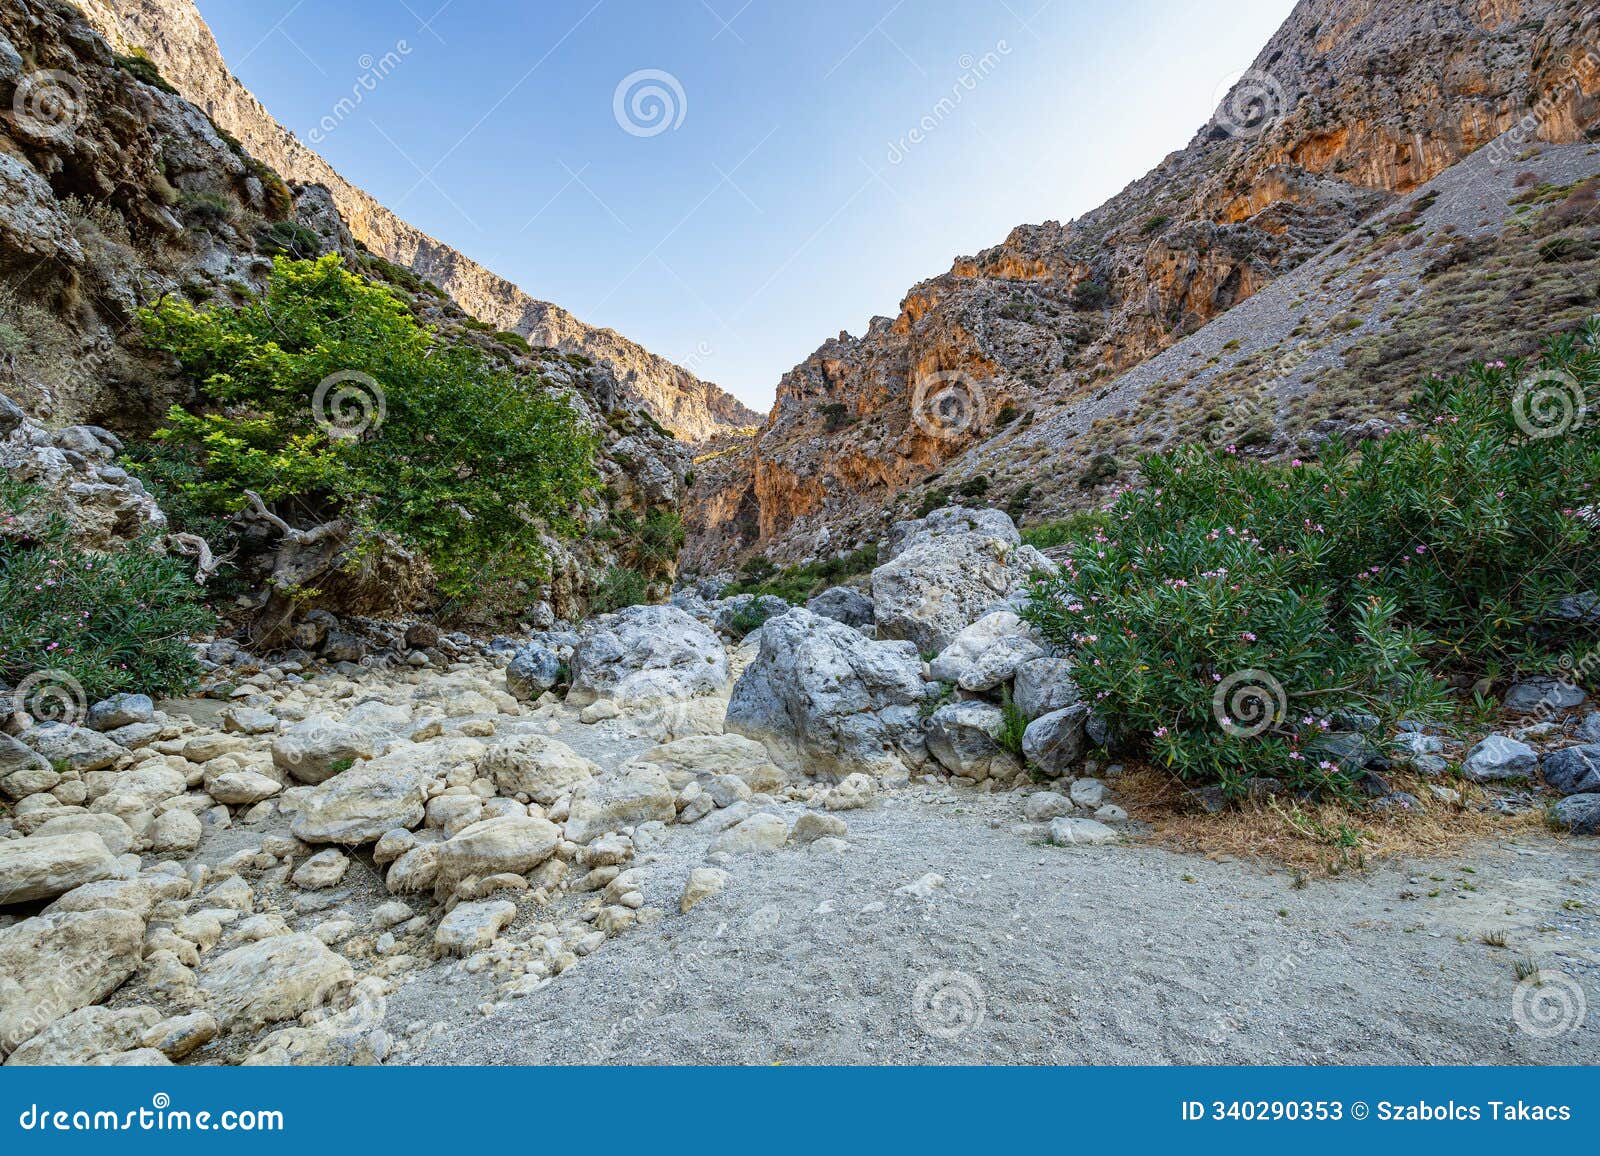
(1348, 108)
(177, 39)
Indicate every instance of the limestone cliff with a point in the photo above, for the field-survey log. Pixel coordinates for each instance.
(1351, 105)
(177, 39)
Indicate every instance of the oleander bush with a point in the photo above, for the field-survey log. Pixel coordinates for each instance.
(1230, 612)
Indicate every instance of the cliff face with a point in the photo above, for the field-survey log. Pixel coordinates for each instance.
(177, 39)
(1350, 106)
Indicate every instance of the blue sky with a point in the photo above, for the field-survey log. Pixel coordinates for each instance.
(785, 197)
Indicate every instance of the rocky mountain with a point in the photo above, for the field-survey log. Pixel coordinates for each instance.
(119, 192)
(177, 39)
(1353, 106)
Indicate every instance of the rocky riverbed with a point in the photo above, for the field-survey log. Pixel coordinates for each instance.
(646, 838)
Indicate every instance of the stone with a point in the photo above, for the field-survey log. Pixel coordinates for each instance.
(271, 980)
(763, 832)
(120, 710)
(362, 804)
(986, 654)
(1055, 742)
(964, 737)
(1579, 814)
(708, 756)
(175, 831)
(1088, 793)
(826, 701)
(640, 795)
(1042, 686)
(1589, 728)
(73, 748)
(474, 926)
(599, 711)
(179, 1036)
(853, 793)
(45, 866)
(946, 572)
(1574, 770)
(114, 831)
(1042, 806)
(843, 604)
(535, 669)
(242, 788)
(1542, 694)
(318, 748)
(702, 884)
(56, 963)
(1498, 757)
(644, 656)
(537, 766)
(509, 844)
(814, 825)
(23, 770)
(415, 871)
(1076, 832)
(246, 720)
(323, 870)
(79, 1036)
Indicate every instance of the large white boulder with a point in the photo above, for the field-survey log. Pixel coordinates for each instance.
(43, 866)
(826, 701)
(362, 804)
(946, 571)
(538, 766)
(964, 737)
(274, 979)
(57, 963)
(646, 656)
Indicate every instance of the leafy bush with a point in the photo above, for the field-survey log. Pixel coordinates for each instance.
(796, 584)
(619, 589)
(420, 438)
(288, 239)
(1224, 615)
(114, 622)
(138, 64)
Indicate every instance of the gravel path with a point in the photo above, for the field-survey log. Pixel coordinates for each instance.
(1033, 954)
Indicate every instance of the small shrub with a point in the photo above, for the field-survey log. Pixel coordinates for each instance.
(114, 622)
(138, 65)
(618, 589)
(288, 239)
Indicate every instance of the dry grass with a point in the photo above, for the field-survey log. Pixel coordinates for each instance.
(1314, 839)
